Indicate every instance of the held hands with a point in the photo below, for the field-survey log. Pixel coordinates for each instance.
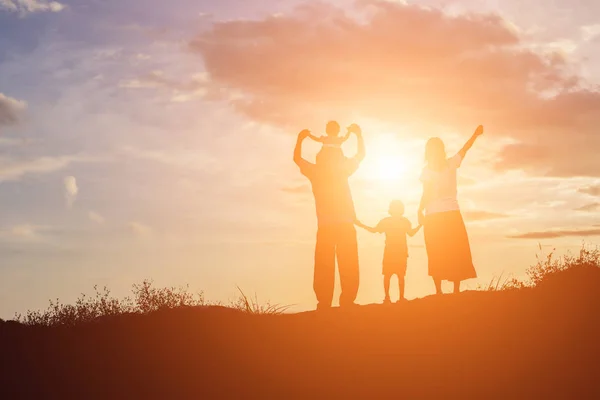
(478, 131)
(421, 218)
(358, 223)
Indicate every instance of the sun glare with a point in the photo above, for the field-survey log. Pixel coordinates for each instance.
(389, 161)
(389, 168)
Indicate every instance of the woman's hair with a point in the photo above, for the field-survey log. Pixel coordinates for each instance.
(435, 152)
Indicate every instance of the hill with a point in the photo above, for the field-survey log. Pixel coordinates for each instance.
(540, 342)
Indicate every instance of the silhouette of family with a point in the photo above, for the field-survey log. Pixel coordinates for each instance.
(446, 239)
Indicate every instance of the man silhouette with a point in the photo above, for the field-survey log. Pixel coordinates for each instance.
(336, 234)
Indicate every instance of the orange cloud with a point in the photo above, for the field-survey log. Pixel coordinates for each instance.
(482, 215)
(558, 234)
(589, 207)
(298, 189)
(409, 65)
(591, 190)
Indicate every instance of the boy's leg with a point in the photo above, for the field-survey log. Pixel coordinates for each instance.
(347, 258)
(386, 286)
(324, 278)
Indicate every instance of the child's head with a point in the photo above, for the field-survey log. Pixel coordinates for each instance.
(435, 152)
(396, 208)
(332, 128)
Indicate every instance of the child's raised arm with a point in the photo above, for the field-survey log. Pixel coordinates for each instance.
(316, 138)
(346, 136)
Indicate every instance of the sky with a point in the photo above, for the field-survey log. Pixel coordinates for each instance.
(142, 139)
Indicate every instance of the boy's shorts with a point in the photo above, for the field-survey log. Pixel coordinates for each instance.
(394, 263)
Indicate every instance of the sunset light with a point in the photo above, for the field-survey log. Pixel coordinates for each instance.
(348, 163)
(390, 169)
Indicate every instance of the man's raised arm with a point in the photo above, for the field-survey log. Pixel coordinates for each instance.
(305, 166)
(353, 163)
(360, 153)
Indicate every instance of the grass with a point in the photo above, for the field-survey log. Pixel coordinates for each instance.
(546, 267)
(253, 306)
(145, 299)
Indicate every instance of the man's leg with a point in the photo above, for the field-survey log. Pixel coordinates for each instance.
(324, 278)
(347, 257)
(438, 285)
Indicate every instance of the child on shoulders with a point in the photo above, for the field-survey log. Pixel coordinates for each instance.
(331, 139)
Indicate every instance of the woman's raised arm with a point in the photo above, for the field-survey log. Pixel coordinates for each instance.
(478, 132)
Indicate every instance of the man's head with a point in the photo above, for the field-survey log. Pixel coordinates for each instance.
(396, 208)
(332, 128)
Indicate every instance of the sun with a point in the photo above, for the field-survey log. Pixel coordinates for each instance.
(388, 160)
(389, 168)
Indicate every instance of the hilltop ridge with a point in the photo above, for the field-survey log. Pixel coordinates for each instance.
(537, 342)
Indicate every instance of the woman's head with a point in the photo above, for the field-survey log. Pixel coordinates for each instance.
(435, 152)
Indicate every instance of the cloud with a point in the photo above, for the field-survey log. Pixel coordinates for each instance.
(10, 110)
(31, 6)
(590, 32)
(465, 181)
(298, 189)
(557, 234)
(411, 65)
(139, 229)
(591, 190)
(95, 217)
(482, 215)
(71, 190)
(589, 207)
(196, 87)
(24, 233)
(14, 170)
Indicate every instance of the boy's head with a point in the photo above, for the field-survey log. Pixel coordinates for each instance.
(396, 208)
(332, 128)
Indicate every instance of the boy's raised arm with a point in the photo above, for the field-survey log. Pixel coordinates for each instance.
(361, 152)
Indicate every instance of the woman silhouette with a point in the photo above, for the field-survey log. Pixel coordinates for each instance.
(446, 239)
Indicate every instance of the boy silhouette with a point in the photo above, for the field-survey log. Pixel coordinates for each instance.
(395, 254)
(331, 138)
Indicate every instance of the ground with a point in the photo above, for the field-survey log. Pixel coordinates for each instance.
(527, 343)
